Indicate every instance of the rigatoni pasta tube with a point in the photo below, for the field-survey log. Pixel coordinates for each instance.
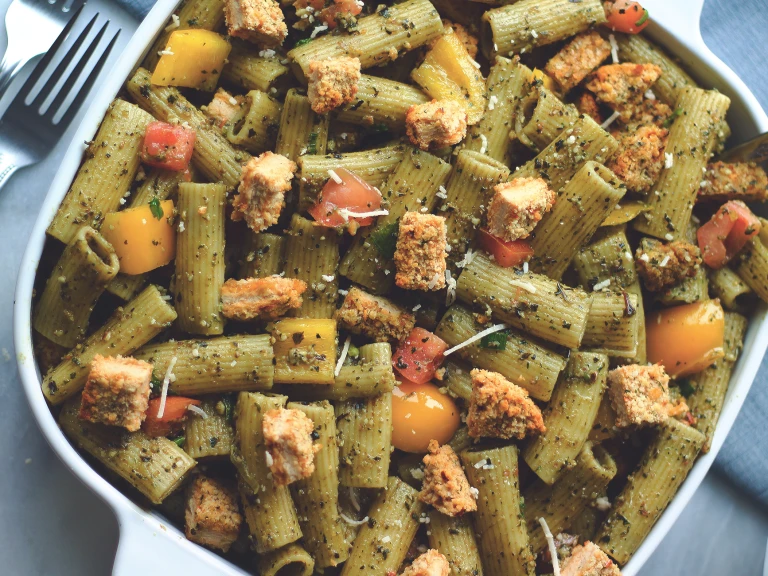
(665, 464)
(305, 351)
(154, 466)
(569, 416)
(522, 361)
(378, 38)
(573, 493)
(254, 126)
(291, 560)
(365, 438)
(110, 166)
(531, 302)
(84, 269)
(711, 384)
(210, 436)
(381, 102)
(216, 158)
(246, 69)
(268, 508)
(317, 497)
(457, 379)
(691, 141)
(455, 539)
(613, 325)
(728, 287)
(687, 291)
(130, 327)
(752, 267)
(214, 366)
(412, 186)
(541, 116)
(382, 543)
(582, 205)
(200, 257)
(312, 255)
(576, 145)
(263, 255)
(301, 131)
(506, 84)
(522, 26)
(499, 522)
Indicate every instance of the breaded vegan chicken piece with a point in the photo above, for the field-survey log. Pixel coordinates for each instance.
(223, 108)
(723, 181)
(517, 206)
(577, 59)
(500, 409)
(266, 298)
(212, 517)
(260, 21)
(662, 266)
(377, 317)
(640, 158)
(622, 86)
(589, 560)
(436, 124)
(332, 83)
(639, 394)
(445, 485)
(420, 255)
(261, 195)
(290, 449)
(431, 563)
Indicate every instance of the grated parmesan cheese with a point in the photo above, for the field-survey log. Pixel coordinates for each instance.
(347, 214)
(664, 262)
(269, 459)
(479, 336)
(197, 410)
(527, 286)
(335, 177)
(475, 492)
(649, 95)
(611, 119)
(551, 545)
(492, 101)
(342, 356)
(328, 278)
(166, 382)
(669, 160)
(317, 30)
(484, 143)
(351, 521)
(353, 499)
(601, 285)
(442, 192)
(175, 23)
(467, 260)
(602, 503)
(669, 237)
(614, 48)
(450, 295)
(644, 258)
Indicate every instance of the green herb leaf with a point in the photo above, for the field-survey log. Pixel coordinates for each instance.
(495, 341)
(312, 143)
(180, 441)
(155, 208)
(380, 127)
(686, 388)
(384, 239)
(353, 352)
(229, 406)
(643, 18)
(671, 120)
(303, 42)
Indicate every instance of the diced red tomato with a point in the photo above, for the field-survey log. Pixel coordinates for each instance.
(353, 194)
(330, 11)
(173, 418)
(419, 356)
(506, 254)
(727, 233)
(168, 146)
(626, 16)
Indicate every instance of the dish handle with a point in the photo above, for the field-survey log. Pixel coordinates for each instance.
(681, 17)
(148, 548)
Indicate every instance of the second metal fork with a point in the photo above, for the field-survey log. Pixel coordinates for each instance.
(27, 135)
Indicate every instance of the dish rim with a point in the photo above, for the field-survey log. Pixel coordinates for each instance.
(135, 522)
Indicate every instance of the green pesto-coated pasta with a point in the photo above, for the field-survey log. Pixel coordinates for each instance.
(412, 186)
(726, 285)
(687, 291)
(569, 416)
(613, 325)
(541, 116)
(301, 131)
(268, 508)
(200, 257)
(131, 326)
(455, 539)
(665, 464)
(499, 521)
(211, 436)
(110, 166)
(457, 379)
(213, 155)
(523, 361)
(365, 438)
(570, 496)
(530, 302)
(84, 269)
(317, 497)
(312, 255)
(254, 127)
(214, 366)
(290, 560)
(247, 70)
(263, 255)
(154, 466)
(382, 543)
(752, 267)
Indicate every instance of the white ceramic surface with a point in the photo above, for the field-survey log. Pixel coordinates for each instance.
(147, 544)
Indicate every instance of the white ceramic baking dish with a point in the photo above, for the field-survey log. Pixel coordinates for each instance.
(148, 545)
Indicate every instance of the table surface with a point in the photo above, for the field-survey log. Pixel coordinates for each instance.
(50, 524)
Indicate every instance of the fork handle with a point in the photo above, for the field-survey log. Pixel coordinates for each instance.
(8, 167)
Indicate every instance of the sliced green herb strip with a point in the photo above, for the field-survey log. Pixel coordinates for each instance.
(495, 341)
(686, 388)
(157, 210)
(180, 441)
(671, 120)
(312, 143)
(303, 42)
(385, 239)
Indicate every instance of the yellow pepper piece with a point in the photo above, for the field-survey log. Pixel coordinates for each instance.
(192, 59)
(305, 351)
(142, 241)
(546, 81)
(449, 73)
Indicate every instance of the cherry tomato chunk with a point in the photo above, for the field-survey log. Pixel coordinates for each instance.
(505, 253)
(419, 356)
(727, 232)
(174, 414)
(331, 15)
(352, 193)
(420, 413)
(626, 16)
(167, 146)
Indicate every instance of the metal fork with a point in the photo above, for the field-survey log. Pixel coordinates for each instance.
(32, 26)
(27, 135)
